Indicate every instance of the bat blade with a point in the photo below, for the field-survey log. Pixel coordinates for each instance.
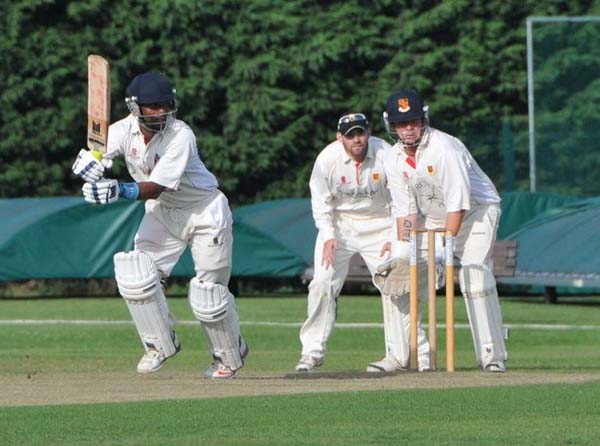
(98, 103)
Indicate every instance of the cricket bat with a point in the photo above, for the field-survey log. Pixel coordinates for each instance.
(98, 104)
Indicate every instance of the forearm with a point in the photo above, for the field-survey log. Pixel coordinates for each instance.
(404, 225)
(453, 221)
(149, 190)
(145, 190)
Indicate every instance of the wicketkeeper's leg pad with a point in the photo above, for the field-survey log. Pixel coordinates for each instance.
(478, 287)
(139, 284)
(214, 306)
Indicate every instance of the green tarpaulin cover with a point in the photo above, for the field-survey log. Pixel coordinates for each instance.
(64, 237)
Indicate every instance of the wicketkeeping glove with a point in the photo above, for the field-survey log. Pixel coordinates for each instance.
(101, 192)
(393, 277)
(88, 167)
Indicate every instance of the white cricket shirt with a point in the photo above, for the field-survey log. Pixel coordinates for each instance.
(446, 178)
(170, 159)
(341, 186)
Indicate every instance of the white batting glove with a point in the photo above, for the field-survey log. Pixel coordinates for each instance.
(101, 192)
(88, 167)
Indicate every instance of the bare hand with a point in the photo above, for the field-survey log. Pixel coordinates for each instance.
(386, 249)
(329, 248)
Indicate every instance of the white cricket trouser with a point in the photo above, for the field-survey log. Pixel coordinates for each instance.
(363, 236)
(473, 247)
(165, 232)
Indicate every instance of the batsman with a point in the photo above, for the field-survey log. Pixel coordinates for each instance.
(432, 174)
(183, 207)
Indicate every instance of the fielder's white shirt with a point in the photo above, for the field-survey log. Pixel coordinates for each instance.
(445, 179)
(341, 186)
(170, 159)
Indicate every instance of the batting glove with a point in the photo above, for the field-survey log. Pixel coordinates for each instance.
(101, 192)
(88, 167)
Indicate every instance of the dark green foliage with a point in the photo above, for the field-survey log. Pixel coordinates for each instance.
(262, 82)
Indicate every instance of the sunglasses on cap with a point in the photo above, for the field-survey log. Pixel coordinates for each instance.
(347, 119)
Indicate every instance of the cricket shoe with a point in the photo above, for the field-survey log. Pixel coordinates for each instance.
(218, 370)
(386, 365)
(308, 363)
(495, 367)
(153, 359)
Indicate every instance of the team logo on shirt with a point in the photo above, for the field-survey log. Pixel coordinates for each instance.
(431, 170)
(376, 176)
(403, 105)
(405, 175)
(134, 151)
(343, 179)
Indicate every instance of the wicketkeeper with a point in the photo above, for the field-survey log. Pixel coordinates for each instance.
(183, 207)
(433, 173)
(351, 209)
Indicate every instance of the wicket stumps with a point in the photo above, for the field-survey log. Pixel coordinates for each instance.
(431, 292)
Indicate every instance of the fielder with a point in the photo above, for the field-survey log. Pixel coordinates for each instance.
(183, 207)
(444, 183)
(351, 209)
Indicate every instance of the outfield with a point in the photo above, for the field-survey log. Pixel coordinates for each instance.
(68, 378)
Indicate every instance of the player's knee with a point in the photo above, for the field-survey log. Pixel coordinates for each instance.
(324, 289)
(210, 302)
(136, 275)
(477, 281)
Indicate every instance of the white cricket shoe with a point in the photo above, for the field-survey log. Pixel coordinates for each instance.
(495, 367)
(153, 360)
(308, 363)
(386, 365)
(218, 370)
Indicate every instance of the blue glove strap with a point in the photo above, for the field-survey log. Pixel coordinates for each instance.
(129, 191)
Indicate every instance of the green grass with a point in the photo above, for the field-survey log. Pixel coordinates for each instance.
(537, 415)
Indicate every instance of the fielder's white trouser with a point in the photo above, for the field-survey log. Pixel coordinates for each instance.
(473, 247)
(366, 237)
(164, 234)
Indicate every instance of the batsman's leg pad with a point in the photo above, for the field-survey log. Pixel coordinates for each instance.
(214, 306)
(478, 287)
(139, 285)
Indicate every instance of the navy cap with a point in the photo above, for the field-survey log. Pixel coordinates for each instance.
(404, 105)
(151, 88)
(351, 121)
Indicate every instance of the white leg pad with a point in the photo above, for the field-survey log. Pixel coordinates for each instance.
(396, 327)
(139, 285)
(214, 306)
(478, 287)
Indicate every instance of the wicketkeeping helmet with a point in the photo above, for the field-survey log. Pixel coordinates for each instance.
(152, 90)
(403, 106)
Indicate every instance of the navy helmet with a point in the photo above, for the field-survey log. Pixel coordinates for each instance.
(152, 90)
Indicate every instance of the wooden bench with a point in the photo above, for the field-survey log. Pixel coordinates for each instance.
(504, 256)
